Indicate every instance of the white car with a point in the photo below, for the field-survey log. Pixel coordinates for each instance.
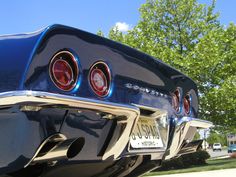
(217, 147)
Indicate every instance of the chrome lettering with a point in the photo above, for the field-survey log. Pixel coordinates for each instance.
(145, 90)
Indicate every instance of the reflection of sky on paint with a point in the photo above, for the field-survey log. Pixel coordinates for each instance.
(28, 15)
(20, 36)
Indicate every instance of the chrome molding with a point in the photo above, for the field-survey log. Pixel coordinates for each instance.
(37, 98)
(185, 129)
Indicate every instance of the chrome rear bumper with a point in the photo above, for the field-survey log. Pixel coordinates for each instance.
(127, 115)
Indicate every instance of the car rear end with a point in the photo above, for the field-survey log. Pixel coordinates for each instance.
(103, 103)
(217, 147)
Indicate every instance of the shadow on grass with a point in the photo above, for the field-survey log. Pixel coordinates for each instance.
(224, 163)
(216, 164)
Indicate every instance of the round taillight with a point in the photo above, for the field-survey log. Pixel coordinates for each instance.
(100, 79)
(176, 100)
(187, 103)
(64, 70)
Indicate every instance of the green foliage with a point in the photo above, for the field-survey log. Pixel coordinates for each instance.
(169, 29)
(100, 33)
(196, 136)
(188, 36)
(214, 67)
(185, 161)
(217, 138)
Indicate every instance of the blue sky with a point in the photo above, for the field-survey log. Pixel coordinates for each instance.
(29, 15)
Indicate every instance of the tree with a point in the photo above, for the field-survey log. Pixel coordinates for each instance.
(169, 29)
(217, 138)
(214, 68)
(197, 136)
(188, 36)
(100, 33)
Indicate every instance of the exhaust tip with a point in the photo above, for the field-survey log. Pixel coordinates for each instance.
(58, 147)
(75, 147)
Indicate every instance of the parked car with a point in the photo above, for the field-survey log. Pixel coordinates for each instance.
(232, 148)
(77, 104)
(216, 147)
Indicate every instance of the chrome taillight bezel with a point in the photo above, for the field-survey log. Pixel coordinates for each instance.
(70, 59)
(105, 70)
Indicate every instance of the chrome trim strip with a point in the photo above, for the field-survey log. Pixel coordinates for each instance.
(156, 111)
(194, 122)
(15, 97)
(45, 98)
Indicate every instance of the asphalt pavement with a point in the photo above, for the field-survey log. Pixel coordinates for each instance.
(215, 173)
(215, 154)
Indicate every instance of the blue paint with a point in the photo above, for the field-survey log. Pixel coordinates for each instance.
(73, 91)
(42, 33)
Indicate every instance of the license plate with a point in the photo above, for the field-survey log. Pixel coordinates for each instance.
(146, 134)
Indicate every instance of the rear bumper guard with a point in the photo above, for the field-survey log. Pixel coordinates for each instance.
(185, 129)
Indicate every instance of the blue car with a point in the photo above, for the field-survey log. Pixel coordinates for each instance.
(76, 104)
(232, 148)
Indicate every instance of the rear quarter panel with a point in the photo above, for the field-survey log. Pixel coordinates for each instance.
(128, 66)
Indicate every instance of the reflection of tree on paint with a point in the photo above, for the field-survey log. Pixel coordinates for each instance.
(39, 74)
(50, 120)
(86, 122)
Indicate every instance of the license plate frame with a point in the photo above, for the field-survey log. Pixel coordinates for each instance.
(146, 135)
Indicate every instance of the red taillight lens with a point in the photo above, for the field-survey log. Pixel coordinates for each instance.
(100, 78)
(176, 100)
(64, 70)
(187, 104)
(98, 81)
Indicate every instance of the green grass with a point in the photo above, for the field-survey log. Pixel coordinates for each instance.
(216, 164)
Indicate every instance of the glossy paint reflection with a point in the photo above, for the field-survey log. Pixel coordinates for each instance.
(24, 130)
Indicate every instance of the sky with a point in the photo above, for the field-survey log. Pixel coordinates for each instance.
(19, 16)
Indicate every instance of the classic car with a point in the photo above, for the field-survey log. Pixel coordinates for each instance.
(76, 104)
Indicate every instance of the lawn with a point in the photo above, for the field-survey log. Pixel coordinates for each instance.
(216, 164)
